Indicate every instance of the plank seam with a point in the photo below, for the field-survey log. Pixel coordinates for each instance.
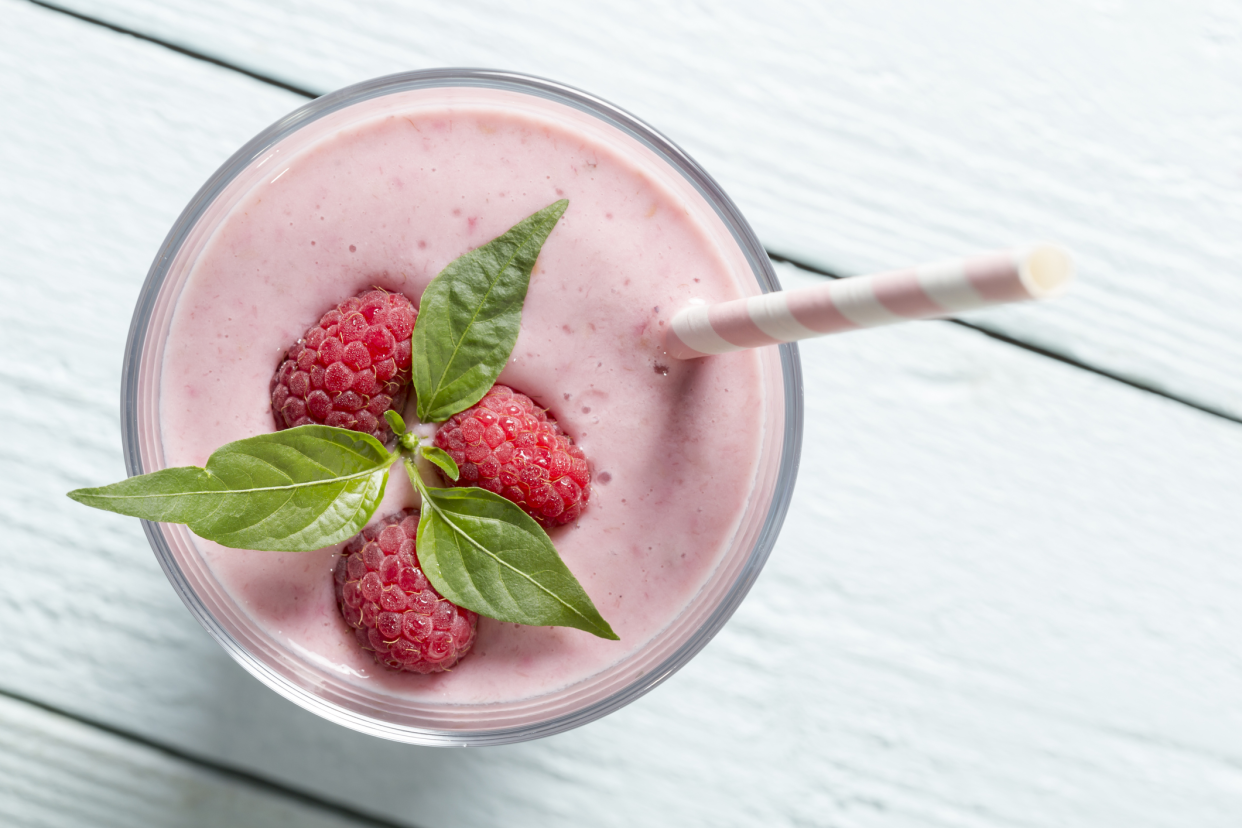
(234, 774)
(181, 50)
(991, 333)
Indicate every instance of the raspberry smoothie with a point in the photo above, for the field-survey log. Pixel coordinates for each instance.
(387, 192)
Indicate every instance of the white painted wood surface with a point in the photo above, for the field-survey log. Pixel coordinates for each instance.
(869, 134)
(59, 773)
(1007, 593)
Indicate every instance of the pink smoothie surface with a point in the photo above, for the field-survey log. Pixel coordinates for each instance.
(388, 199)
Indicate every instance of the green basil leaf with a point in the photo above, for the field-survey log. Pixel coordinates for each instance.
(442, 459)
(395, 422)
(484, 553)
(291, 491)
(469, 316)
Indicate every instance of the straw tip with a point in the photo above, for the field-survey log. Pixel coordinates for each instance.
(676, 348)
(1046, 270)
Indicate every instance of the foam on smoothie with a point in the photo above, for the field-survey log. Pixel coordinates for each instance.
(402, 189)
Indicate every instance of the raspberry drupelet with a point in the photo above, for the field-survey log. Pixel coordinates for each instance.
(508, 445)
(350, 368)
(395, 612)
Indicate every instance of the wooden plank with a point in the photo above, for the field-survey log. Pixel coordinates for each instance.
(1007, 592)
(55, 771)
(862, 135)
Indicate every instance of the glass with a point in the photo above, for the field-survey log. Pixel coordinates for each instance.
(321, 690)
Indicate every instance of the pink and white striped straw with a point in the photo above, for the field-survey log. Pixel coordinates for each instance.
(923, 292)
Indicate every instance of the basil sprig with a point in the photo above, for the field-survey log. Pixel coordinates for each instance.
(313, 486)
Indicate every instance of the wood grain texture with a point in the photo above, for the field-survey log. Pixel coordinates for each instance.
(56, 772)
(867, 135)
(1007, 592)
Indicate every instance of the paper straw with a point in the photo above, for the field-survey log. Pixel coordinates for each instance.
(923, 292)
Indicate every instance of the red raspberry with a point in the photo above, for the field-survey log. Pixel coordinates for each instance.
(350, 368)
(508, 445)
(393, 609)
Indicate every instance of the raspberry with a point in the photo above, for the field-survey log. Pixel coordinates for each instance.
(350, 368)
(508, 445)
(395, 612)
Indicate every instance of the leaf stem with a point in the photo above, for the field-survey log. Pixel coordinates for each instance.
(415, 476)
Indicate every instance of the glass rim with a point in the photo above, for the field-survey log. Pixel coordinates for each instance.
(761, 268)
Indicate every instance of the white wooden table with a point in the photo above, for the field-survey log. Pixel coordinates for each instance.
(1046, 635)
